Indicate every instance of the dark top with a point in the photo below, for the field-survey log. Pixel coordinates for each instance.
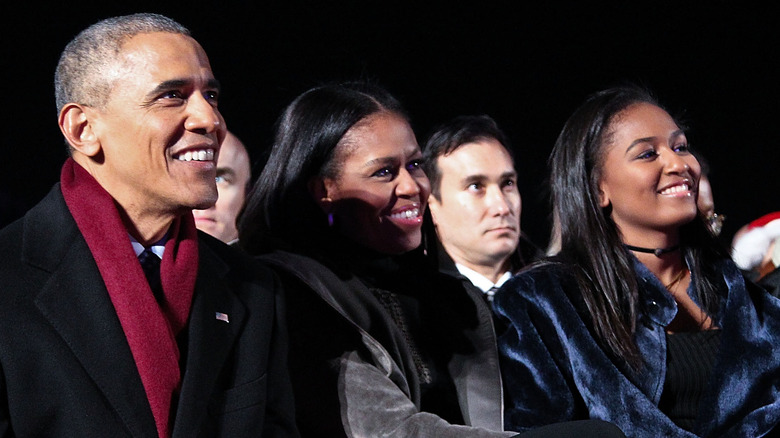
(689, 360)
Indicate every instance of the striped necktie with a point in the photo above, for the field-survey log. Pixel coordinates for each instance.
(490, 293)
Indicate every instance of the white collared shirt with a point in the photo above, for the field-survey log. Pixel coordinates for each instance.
(158, 247)
(480, 281)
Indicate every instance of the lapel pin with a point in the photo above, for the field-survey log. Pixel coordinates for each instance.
(223, 317)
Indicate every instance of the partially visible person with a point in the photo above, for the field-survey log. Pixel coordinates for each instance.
(756, 250)
(117, 317)
(234, 175)
(641, 319)
(706, 205)
(381, 344)
(475, 203)
(706, 201)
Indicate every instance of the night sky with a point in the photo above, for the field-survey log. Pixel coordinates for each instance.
(526, 65)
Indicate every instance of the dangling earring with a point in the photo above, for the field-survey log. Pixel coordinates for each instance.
(327, 204)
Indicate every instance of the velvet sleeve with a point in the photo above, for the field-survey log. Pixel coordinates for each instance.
(538, 388)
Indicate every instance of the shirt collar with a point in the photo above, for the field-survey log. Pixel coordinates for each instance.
(157, 247)
(479, 280)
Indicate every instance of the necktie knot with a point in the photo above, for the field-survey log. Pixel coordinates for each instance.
(150, 263)
(490, 293)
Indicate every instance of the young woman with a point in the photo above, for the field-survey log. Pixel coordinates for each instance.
(640, 319)
(380, 344)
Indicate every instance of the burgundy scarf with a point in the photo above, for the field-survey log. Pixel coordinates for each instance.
(150, 328)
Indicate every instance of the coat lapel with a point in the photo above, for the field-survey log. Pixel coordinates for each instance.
(476, 372)
(210, 340)
(76, 303)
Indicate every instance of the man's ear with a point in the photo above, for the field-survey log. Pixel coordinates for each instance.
(76, 124)
(433, 207)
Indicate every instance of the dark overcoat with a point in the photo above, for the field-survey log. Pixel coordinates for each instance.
(66, 369)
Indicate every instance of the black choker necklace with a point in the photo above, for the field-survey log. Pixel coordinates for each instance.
(657, 251)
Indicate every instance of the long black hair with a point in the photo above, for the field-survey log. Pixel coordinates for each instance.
(280, 213)
(591, 241)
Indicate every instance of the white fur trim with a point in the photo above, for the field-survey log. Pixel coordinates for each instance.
(750, 249)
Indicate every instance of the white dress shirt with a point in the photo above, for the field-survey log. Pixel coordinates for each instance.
(481, 282)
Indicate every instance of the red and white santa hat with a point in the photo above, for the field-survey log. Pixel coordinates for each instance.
(751, 248)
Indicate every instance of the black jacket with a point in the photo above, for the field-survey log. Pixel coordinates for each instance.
(66, 369)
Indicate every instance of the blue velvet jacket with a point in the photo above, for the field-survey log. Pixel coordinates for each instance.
(554, 369)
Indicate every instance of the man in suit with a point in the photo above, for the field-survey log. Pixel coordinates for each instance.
(234, 175)
(117, 318)
(475, 203)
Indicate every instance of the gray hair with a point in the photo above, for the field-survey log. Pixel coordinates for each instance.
(82, 74)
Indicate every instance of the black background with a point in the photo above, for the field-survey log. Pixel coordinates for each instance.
(527, 65)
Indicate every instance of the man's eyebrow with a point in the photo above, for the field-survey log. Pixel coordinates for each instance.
(213, 83)
(476, 177)
(173, 84)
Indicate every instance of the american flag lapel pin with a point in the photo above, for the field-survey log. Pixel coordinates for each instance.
(223, 317)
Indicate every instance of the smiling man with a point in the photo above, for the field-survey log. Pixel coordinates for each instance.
(117, 318)
(475, 203)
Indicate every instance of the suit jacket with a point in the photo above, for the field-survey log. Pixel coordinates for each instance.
(67, 370)
(490, 326)
(525, 254)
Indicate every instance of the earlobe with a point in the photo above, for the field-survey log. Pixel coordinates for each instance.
(603, 199)
(319, 191)
(433, 207)
(77, 127)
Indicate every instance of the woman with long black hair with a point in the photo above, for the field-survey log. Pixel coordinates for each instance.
(641, 319)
